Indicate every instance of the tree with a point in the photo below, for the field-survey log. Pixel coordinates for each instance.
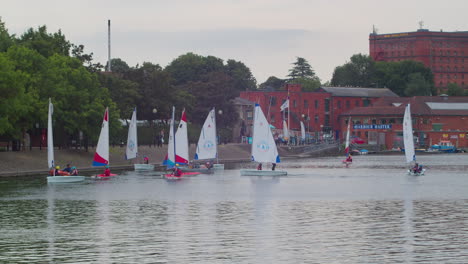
(123, 92)
(308, 84)
(5, 39)
(86, 59)
(454, 89)
(417, 85)
(45, 43)
(241, 75)
(301, 69)
(359, 72)
(118, 66)
(274, 83)
(190, 67)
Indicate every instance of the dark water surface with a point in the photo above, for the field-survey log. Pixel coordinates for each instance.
(321, 213)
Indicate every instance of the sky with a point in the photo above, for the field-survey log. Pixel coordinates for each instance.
(266, 35)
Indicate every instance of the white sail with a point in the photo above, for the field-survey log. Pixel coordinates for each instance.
(170, 159)
(285, 131)
(132, 142)
(347, 138)
(263, 144)
(207, 144)
(50, 137)
(182, 145)
(303, 134)
(101, 157)
(408, 135)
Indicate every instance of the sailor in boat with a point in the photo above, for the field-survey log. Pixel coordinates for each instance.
(74, 171)
(146, 160)
(273, 166)
(177, 172)
(107, 171)
(417, 168)
(59, 172)
(208, 165)
(259, 167)
(349, 159)
(67, 169)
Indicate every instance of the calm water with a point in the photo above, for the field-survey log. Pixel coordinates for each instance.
(320, 213)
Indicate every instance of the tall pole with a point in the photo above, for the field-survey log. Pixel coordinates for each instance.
(109, 46)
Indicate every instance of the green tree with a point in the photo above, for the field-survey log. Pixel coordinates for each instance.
(5, 39)
(454, 89)
(14, 100)
(308, 84)
(118, 66)
(45, 43)
(123, 92)
(301, 69)
(417, 85)
(241, 75)
(274, 83)
(358, 72)
(86, 59)
(190, 67)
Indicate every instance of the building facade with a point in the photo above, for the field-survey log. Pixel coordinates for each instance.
(436, 119)
(445, 53)
(319, 110)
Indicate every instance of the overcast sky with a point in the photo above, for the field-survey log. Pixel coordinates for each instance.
(266, 35)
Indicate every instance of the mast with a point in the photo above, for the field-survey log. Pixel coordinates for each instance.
(109, 45)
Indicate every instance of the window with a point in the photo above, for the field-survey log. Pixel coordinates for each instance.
(273, 101)
(348, 105)
(316, 118)
(365, 102)
(294, 103)
(327, 105)
(374, 121)
(359, 133)
(316, 104)
(339, 104)
(306, 104)
(357, 103)
(437, 127)
(400, 120)
(383, 121)
(249, 115)
(272, 118)
(327, 120)
(391, 121)
(425, 121)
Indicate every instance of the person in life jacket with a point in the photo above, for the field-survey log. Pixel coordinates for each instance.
(349, 158)
(177, 172)
(146, 160)
(259, 167)
(107, 171)
(74, 171)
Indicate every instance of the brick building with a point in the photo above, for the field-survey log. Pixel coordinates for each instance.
(318, 110)
(445, 53)
(435, 119)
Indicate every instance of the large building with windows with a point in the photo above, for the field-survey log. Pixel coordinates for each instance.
(319, 110)
(445, 53)
(436, 119)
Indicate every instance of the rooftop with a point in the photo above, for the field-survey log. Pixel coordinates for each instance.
(358, 92)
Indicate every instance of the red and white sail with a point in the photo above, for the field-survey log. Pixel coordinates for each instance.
(101, 157)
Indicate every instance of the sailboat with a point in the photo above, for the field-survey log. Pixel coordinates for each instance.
(348, 159)
(172, 158)
(409, 141)
(132, 144)
(303, 134)
(101, 157)
(263, 146)
(50, 153)
(207, 147)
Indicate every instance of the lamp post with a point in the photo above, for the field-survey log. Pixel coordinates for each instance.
(155, 111)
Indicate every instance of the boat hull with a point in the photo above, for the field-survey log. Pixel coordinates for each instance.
(65, 179)
(410, 172)
(218, 166)
(143, 166)
(171, 176)
(200, 170)
(252, 172)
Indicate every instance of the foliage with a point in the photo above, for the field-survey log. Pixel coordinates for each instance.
(273, 83)
(308, 84)
(241, 76)
(417, 85)
(358, 72)
(454, 89)
(45, 43)
(118, 66)
(301, 69)
(5, 39)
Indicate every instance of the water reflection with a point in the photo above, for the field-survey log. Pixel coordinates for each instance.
(318, 216)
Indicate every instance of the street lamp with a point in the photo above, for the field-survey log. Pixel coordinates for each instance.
(155, 111)
(220, 112)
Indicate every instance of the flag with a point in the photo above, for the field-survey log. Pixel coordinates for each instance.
(285, 105)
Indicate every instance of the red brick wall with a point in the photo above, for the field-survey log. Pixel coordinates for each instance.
(446, 53)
